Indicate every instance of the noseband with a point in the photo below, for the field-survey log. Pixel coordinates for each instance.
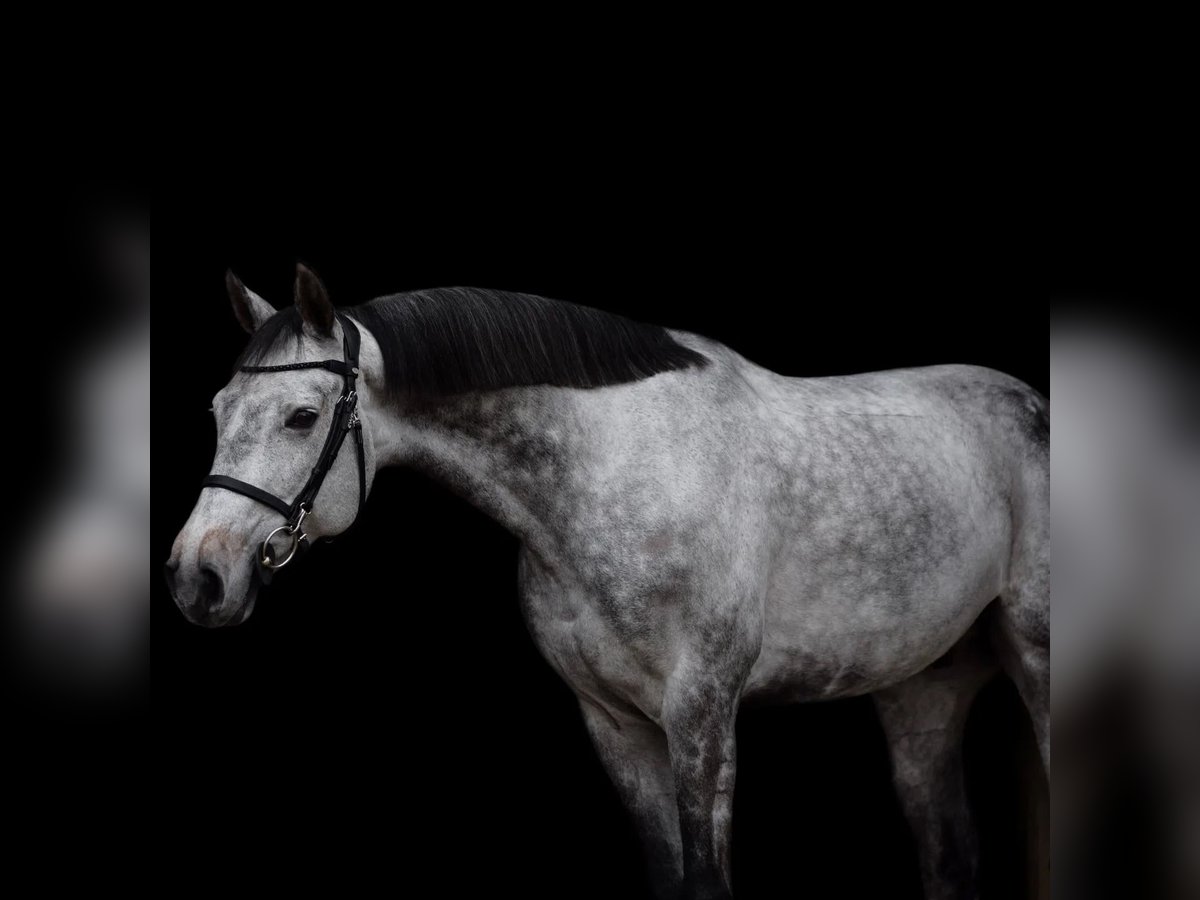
(345, 419)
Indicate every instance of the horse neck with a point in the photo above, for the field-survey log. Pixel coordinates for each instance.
(506, 452)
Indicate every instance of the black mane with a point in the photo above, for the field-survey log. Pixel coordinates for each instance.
(448, 341)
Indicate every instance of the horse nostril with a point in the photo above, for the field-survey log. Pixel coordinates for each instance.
(211, 590)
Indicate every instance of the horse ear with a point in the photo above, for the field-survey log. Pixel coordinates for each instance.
(250, 309)
(313, 301)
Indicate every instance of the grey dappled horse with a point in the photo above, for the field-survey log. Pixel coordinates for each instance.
(695, 531)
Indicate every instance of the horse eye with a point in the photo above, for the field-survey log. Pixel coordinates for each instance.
(302, 418)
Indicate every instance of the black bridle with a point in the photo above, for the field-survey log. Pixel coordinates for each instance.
(345, 419)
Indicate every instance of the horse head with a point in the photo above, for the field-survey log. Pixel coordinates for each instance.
(279, 478)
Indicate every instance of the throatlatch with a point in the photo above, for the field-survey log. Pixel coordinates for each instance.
(345, 420)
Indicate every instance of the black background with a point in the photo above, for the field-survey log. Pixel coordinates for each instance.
(384, 713)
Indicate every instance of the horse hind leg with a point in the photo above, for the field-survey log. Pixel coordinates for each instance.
(924, 719)
(1021, 624)
(1020, 631)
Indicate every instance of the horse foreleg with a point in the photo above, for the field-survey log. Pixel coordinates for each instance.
(924, 719)
(633, 751)
(698, 715)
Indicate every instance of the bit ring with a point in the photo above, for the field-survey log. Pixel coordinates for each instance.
(265, 558)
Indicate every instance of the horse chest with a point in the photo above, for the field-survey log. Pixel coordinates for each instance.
(615, 654)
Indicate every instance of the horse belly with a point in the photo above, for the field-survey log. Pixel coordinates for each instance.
(851, 616)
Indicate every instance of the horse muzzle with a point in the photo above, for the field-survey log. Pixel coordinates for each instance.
(211, 591)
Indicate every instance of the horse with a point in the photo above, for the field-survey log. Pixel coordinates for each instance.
(695, 531)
